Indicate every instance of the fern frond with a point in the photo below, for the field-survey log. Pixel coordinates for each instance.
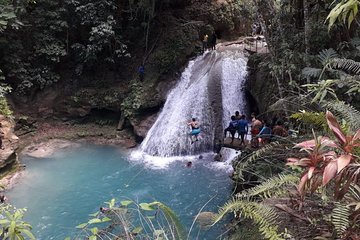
(345, 111)
(263, 216)
(340, 218)
(346, 65)
(327, 55)
(244, 162)
(274, 186)
(311, 118)
(311, 72)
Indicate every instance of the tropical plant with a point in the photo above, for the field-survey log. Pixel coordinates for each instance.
(155, 220)
(12, 225)
(326, 159)
(345, 11)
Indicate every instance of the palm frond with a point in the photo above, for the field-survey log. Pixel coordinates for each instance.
(244, 162)
(347, 65)
(311, 118)
(263, 216)
(326, 55)
(345, 111)
(340, 218)
(172, 218)
(311, 72)
(275, 186)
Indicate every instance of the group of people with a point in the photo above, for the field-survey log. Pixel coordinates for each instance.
(261, 131)
(209, 42)
(237, 124)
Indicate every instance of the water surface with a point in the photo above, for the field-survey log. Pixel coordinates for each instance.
(60, 192)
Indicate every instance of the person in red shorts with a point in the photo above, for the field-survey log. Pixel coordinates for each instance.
(256, 125)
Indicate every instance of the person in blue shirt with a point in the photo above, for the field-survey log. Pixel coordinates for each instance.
(264, 134)
(141, 72)
(242, 129)
(231, 128)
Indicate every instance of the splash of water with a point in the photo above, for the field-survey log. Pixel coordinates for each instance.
(211, 90)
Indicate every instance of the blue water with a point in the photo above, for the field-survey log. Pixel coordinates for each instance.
(60, 192)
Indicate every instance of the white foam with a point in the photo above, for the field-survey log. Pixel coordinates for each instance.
(155, 162)
(228, 155)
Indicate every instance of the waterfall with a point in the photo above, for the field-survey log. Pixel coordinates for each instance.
(210, 90)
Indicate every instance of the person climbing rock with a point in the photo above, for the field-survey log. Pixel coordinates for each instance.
(195, 130)
(205, 42)
(141, 72)
(231, 128)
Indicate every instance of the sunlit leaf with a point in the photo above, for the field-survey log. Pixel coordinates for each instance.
(329, 172)
(343, 161)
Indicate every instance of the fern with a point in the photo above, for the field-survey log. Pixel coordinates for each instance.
(274, 186)
(345, 111)
(263, 216)
(347, 65)
(327, 55)
(245, 162)
(340, 218)
(311, 118)
(311, 72)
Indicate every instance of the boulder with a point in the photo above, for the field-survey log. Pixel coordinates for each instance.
(10, 142)
(142, 125)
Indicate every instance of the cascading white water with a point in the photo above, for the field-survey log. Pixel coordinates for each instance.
(213, 78)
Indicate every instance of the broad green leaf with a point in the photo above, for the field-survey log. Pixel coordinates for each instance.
(94, 220)
(146, 207)
(105, 219)
(126, 203)
(94, 230)
(28, 233)
(83, 225)
(92, 237)
(137, 230)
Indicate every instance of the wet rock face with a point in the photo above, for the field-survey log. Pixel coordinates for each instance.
(10, 142)
(261, 86)
(143, 124)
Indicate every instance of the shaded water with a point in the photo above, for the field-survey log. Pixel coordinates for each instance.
(60, 192)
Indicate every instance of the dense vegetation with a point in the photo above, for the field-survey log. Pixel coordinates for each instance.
(313, 64)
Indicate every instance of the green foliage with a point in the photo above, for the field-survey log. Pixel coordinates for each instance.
(117, 220)
(345, 12)
(98, 98)
(275, 186)
(263, 216)
(345, 111)
(12, 225)
(4, 107)
(311, 119)
(134, 99)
